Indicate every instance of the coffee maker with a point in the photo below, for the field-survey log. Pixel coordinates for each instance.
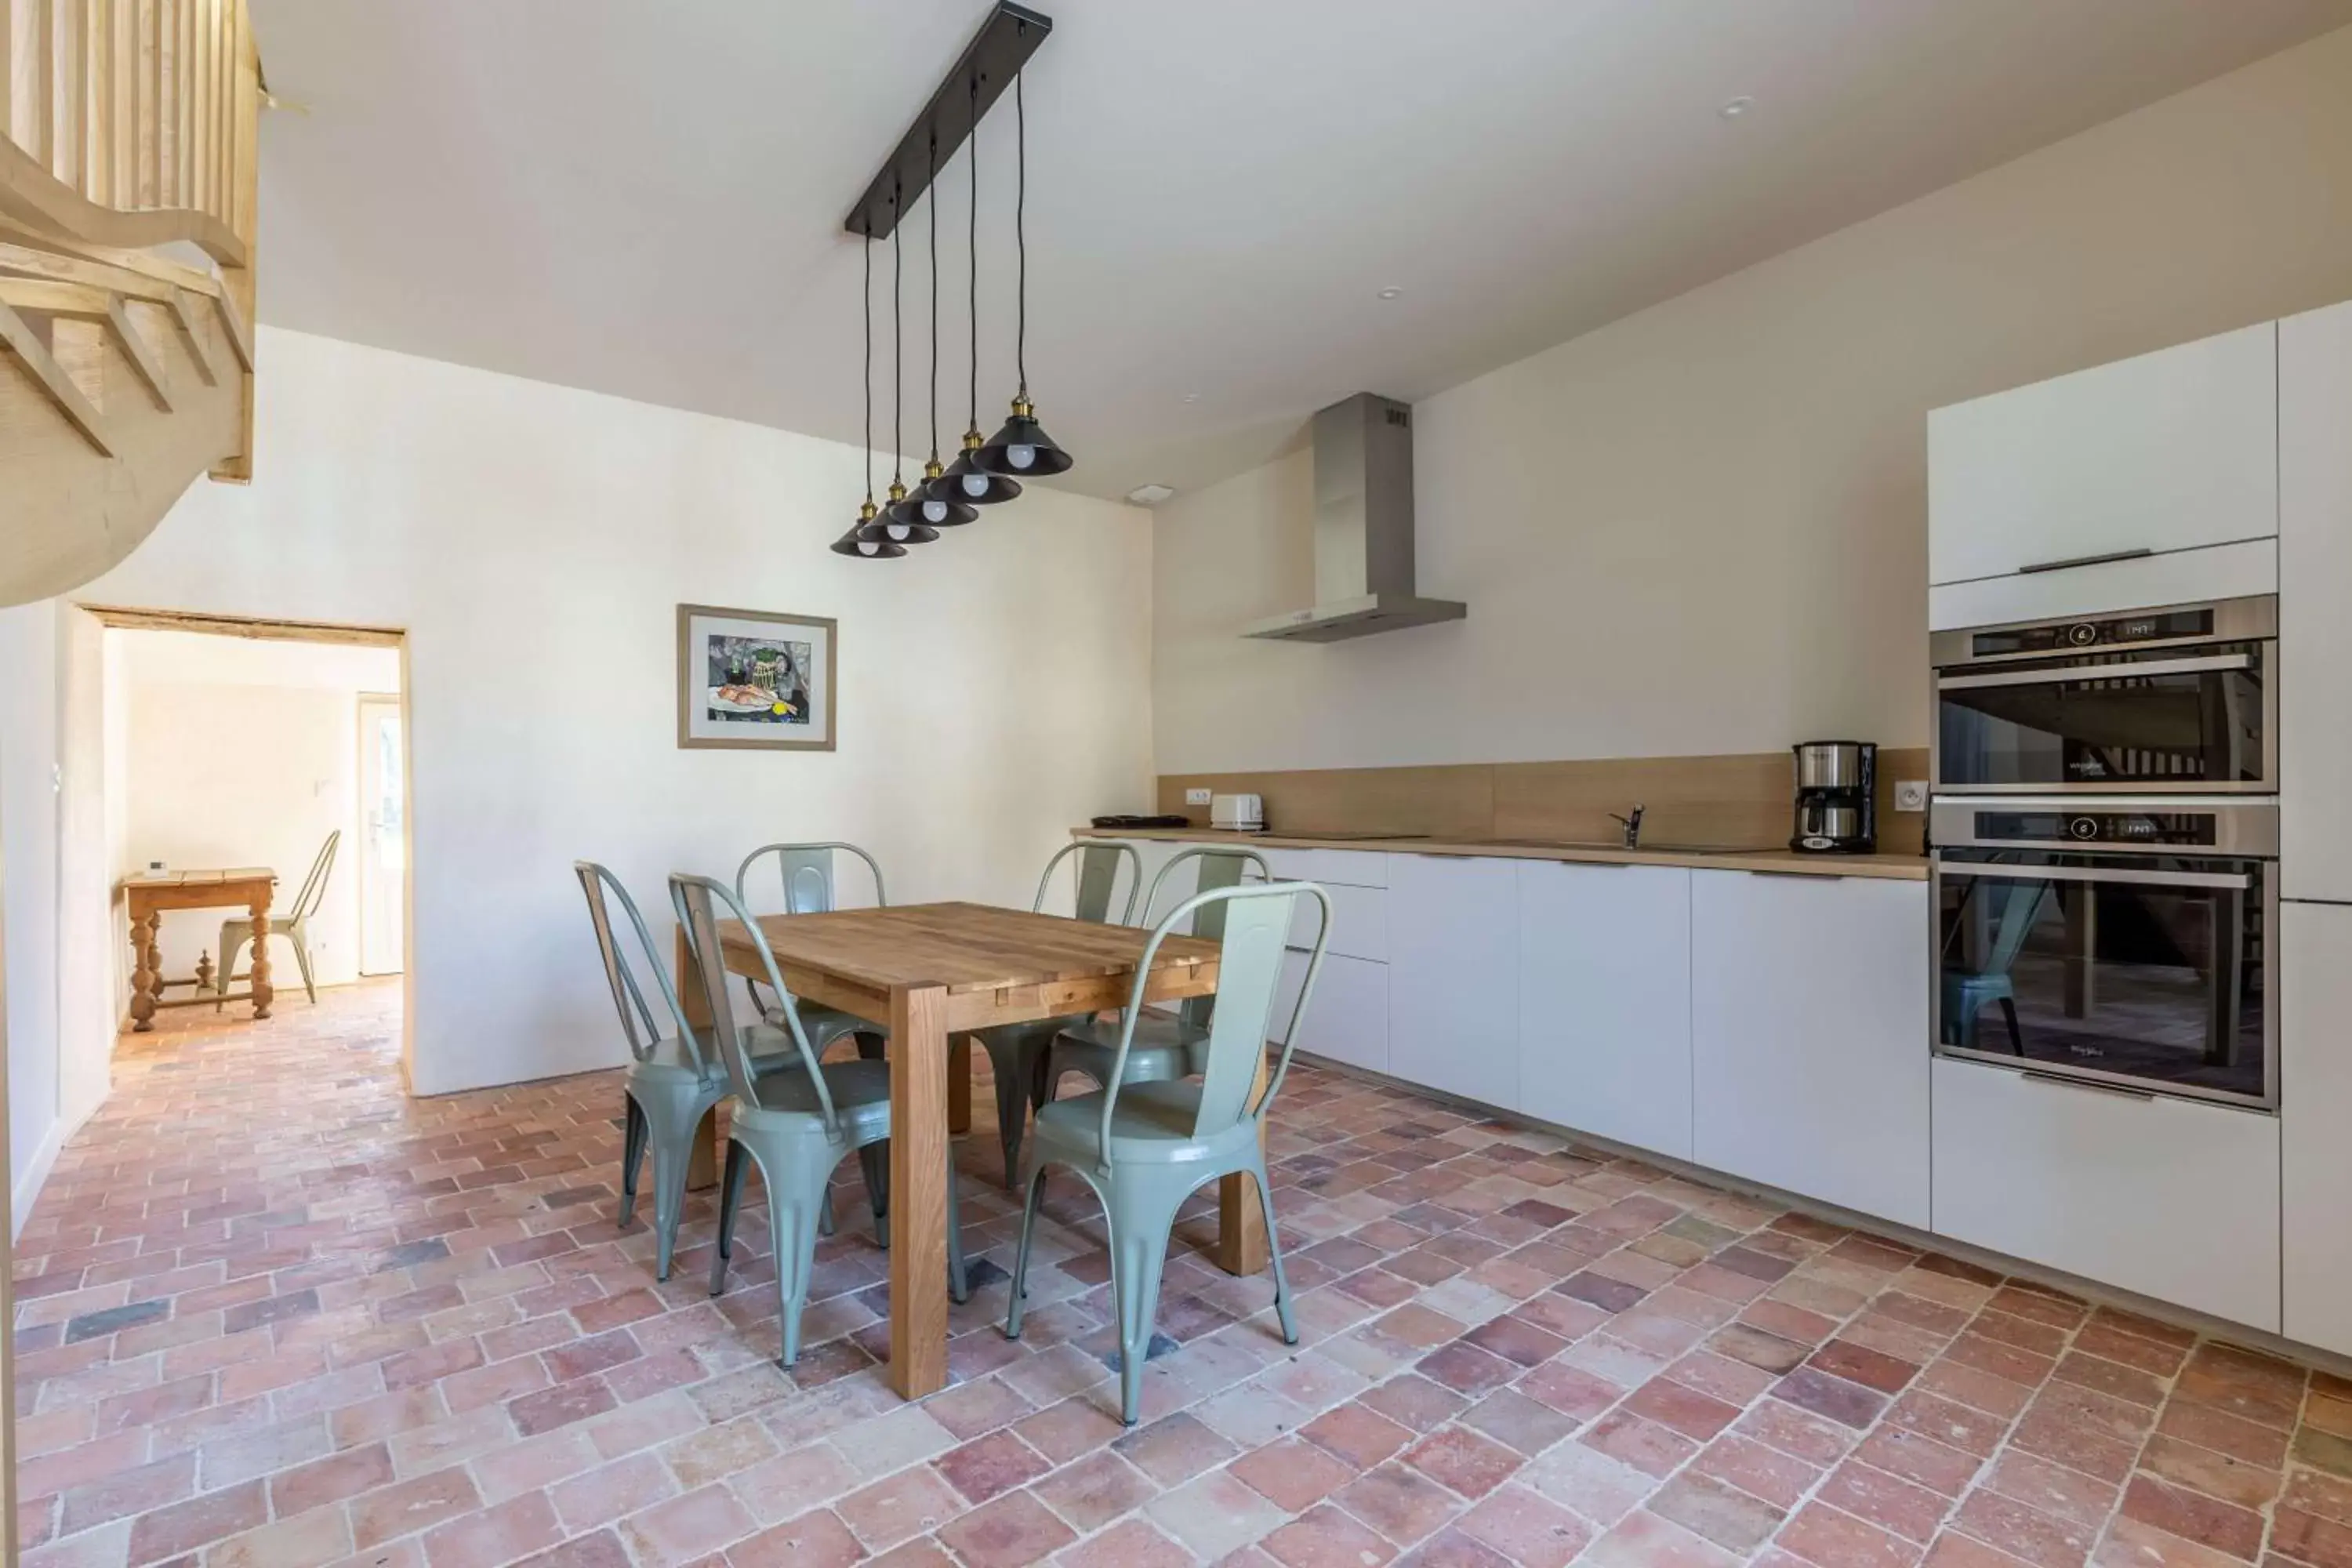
(1837, 805)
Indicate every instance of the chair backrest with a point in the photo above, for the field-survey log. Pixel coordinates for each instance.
(1217, 868)
(1255, 923)
(314, 886)
(2019, 911)
(698, 902)
(638, 1021)
(1098, 863)
(806, 872)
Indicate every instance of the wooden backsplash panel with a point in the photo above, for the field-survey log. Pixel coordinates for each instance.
(1741, 800)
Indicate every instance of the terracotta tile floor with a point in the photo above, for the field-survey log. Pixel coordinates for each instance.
(273, 1313)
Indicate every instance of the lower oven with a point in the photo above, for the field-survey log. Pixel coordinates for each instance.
(2126, 942)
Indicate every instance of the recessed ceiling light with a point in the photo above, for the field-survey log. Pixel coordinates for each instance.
(1192, 397)
(1391, 292)
(1151, 495)
(1736, 107)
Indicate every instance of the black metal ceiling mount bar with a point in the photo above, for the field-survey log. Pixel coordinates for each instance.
(993, 58)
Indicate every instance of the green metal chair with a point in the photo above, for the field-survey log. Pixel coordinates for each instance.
(1146, 1146)
(673, 1080)
(796, 1127)
(295, 928)
(1161, 1048)
(1966, 991)
(1016, 1052)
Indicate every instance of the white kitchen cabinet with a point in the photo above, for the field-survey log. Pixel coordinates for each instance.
(1341, 867)
(1808, 1035)
(1454, 975)
(1359, 921)
(2314, 1105)
(1347, 1018)
(1604, 1001)
(2168, 1198)
(2172, 450)
(2314, 631)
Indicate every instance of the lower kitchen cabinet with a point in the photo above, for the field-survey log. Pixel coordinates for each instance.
(2168, 1198)
(1604, 1001)
(1347, 1018)
(2315, 1153)
(1454, 975)
(1809, 1037)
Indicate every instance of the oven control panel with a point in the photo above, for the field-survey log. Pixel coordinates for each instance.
(2221, 827)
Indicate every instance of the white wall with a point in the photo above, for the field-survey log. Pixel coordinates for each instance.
(246, 753)
(534, 543)
(1702, 529)
(28, 891)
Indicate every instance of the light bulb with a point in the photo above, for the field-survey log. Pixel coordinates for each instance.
(935, 512)
(1020, 456)
(868, 547)
(975, 484)
(897, 532)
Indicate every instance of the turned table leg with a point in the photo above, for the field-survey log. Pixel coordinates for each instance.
(146, 967)
(262, 990)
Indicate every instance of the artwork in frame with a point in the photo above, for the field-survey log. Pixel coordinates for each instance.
(746, 678)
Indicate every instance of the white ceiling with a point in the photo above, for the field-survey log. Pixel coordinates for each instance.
(646, 200)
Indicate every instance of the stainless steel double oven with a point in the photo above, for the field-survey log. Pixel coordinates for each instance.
(2106, 841)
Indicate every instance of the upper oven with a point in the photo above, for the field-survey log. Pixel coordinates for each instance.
(2181, 700)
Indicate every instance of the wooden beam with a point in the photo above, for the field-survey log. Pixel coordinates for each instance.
(140, 352)
(240, 335)
(198, 349)
(55, 299)
(137, 283)
(20, 340)
(138, 619)
(35, 198)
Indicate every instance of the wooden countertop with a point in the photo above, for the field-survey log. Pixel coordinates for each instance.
(1899, 867)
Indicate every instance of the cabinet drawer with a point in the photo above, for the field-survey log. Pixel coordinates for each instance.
(2167, 1197)
(1347, 1018)
(1350, 867)
(1359, 923)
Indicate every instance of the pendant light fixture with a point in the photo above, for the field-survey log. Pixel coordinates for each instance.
(1022, 448)
(928, 505)
(852, 543)
(889, 529)
(965, 479)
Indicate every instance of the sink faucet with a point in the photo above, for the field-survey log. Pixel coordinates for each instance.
(1633, 827)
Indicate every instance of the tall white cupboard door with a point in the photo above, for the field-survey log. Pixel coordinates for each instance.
(1454, 976)
(2173, 1198)
(2171, 450)
(1604, 1001)
(1347, 1019)
(1808, 1035)
(2316, 1122)
(2314, 631)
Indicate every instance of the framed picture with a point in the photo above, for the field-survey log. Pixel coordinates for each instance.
(746, 678)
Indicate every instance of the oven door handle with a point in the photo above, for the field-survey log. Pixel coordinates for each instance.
(2074, 674)
(2136, 875)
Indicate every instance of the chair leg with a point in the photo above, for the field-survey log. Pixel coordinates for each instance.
(825, 1225)
(730, 1199)
(1274, 1251)
(227, 972)
(1021, 1255)
(791, 1222)
(672, 1129)
(958, 1280)
(875, 1161)
(1013, 1077)
(302, 963)
(633, 1154)
(2016, 1036)
(1140, 1228)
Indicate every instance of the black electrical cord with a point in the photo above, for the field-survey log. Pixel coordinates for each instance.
(1020, 234)
(975, 273)
(934, 188)
(868, 299)
(897, 359)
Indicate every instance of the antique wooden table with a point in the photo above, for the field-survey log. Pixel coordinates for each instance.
(245, 887)
(932, 974)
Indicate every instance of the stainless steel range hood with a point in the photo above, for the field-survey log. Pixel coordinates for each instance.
(1363, 530)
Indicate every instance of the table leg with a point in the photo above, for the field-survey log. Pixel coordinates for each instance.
(703, 1165)
(262, 990)
(960, 1085)
(1241, 1224)
(919, 1195)
(146, 968)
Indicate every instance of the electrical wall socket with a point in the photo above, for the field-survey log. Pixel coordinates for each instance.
(1196, 797)
(1911, 794)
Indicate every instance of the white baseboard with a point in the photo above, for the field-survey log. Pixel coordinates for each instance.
(45, 1159)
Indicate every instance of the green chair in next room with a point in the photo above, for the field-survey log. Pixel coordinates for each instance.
(1145, 1147)
(295, 928)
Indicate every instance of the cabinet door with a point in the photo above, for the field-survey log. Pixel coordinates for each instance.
(1454, 976)
(2315, 1107)
(2314, 632)
(2168, 451)
(1808, 1035)
(1359, 921)
(2168, 1198)
(1604, 1001)
(1336, 867)
(1347, 1019)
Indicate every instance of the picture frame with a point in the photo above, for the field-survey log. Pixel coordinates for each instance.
(755, 679)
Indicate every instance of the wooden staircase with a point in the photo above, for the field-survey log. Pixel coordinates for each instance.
(126, 208)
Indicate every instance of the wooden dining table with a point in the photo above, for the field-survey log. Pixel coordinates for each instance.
(931, 974)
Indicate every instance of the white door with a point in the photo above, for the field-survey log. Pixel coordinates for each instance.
(383, 836)
(1454, 976)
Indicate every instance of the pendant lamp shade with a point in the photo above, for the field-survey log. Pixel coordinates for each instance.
(853, 544)
(967, 481)
(1022, 448)
(934, 503)
(890, 528)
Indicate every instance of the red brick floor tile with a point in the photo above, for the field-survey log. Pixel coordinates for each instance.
(1833, 1537)
(817, 1538)
(1463, 1461)
(1294, 1474)
(1731, 1517)
(1013, 1530)
(1324, 1537)
(1403, 1505)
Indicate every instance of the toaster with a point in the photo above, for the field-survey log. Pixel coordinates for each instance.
(1240, 813)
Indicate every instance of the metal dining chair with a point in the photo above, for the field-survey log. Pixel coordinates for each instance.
(797, 1126)
(1145, 1146)
(295, 928)
(1160, 1046)
(1966, 991)
(672, 1080)
(1016, 1052)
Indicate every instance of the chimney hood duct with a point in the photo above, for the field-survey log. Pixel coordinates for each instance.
(1363, 530)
